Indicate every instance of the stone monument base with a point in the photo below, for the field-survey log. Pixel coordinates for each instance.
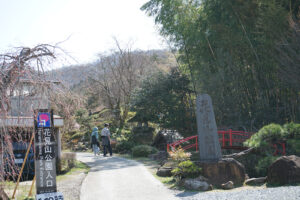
(222, 171)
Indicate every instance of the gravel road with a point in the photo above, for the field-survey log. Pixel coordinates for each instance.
(245, 193)
(70, 186)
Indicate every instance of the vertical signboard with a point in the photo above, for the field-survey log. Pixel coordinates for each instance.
(45, 155)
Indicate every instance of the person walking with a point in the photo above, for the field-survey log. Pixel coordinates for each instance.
(95, 141)
(105, 136)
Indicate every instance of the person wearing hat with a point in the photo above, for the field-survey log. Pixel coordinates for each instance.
(105, 136)
(95, 141)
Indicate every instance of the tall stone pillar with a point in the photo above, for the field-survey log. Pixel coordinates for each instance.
(208, 139)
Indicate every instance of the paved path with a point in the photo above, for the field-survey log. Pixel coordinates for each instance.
(114, 178)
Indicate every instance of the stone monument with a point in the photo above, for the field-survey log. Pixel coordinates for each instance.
(216, 169)
(208, 139)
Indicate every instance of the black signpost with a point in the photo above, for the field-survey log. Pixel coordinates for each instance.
(45, 156)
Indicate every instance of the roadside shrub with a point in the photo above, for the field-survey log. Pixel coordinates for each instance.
(124, 146)
(266, 135)
(186, 169)
(180, 155)
(143, 151)
(263, 164)
(67, 162)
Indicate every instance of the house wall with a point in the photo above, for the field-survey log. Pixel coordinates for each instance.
(24, 106)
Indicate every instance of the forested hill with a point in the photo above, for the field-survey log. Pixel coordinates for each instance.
(71, 76)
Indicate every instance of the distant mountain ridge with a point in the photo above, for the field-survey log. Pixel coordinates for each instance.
(70, 76)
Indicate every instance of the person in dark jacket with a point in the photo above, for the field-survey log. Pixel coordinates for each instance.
(95, 141)
(105, 136)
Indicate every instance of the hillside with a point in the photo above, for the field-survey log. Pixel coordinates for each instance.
(70, 76)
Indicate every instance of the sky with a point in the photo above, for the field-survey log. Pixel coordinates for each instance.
(85, 27)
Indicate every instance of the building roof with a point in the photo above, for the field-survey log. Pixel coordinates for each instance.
(26, 121)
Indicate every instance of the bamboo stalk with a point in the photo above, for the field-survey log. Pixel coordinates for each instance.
(32, 184)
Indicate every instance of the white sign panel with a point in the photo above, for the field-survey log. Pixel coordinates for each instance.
(50, 196)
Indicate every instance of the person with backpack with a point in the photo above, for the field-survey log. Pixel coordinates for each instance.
(105, 136)
(95, 141)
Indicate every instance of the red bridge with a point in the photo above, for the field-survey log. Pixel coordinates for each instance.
(228, 140)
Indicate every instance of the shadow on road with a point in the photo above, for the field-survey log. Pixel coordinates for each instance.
(98, 163)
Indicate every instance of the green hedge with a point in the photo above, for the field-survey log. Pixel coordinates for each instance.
(124, 146)
(143, 151)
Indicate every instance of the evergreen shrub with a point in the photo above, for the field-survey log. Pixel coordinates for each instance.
(124, 146)
(142, 135)
(263, 164)
(143, 151)
(186, 169)
(293, 147)
(257, 164)
(266, 135)
(292, 130)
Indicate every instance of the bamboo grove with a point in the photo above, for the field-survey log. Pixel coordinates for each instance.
(245, 54)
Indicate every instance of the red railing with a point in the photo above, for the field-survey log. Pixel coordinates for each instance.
(174, 144)
(228, 140)
(279, 148)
